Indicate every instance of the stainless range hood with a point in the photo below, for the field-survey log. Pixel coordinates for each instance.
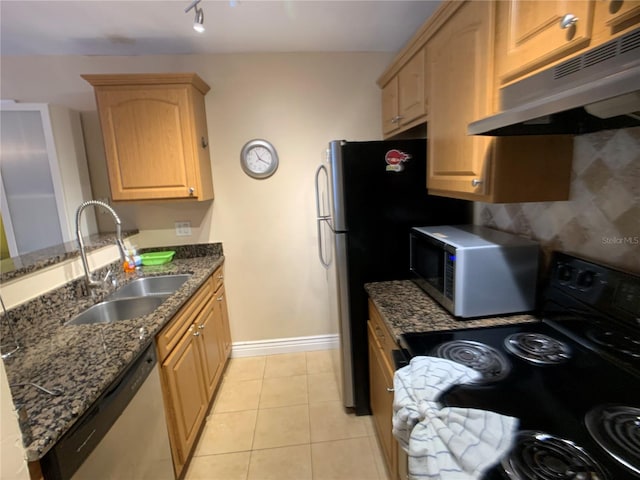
(597, 90)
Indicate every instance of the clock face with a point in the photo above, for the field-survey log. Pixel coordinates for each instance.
(259, 159)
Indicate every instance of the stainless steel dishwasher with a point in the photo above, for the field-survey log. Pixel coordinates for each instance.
(123, 435)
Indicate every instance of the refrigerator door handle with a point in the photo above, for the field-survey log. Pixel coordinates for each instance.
(319, 212)
(325, 263)
(321, 217)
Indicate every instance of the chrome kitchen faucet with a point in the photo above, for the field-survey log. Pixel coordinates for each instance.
(91, 283)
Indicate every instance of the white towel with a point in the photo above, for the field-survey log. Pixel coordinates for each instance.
(448, 443)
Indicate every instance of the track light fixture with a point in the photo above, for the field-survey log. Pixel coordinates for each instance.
(198, 21)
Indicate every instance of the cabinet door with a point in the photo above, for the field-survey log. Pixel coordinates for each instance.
(209, 345)
(381, 397)
(149, 142)
(534, 34)
(411, 89)
(390, 118)
(183, 375)
(224, 329)
(460, 91)
(620, 15)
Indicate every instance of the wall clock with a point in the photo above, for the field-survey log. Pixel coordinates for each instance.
(259, 158)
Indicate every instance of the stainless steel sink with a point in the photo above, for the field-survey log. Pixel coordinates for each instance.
(118, 309)
(150, 286)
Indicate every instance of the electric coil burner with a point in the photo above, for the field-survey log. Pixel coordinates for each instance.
(537, 348)
(616, 428)
(486, 360)
(542, 456)
(572, 379)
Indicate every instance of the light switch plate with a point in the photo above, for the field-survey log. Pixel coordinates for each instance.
(183, 229)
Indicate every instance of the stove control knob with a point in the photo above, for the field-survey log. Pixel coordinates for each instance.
(585, 279)
(565, 272)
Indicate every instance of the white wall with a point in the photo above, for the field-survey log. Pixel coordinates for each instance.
(299, 102)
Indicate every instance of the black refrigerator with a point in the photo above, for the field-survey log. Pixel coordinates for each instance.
(368, 196)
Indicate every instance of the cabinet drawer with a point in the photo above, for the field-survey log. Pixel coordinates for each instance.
(382, 333)
(173, 331)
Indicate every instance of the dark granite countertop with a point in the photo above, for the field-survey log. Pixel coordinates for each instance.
(405, 308)
(83, 360)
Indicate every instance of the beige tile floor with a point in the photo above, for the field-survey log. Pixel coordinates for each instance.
(280, 417)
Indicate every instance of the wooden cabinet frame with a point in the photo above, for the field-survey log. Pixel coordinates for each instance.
(461, 85)
(529, 37)
(155, 135)
(193, 349)
(381, 343)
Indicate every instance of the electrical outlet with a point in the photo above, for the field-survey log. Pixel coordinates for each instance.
(183, 229)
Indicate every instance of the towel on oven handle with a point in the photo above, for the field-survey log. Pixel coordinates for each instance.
(448, 443)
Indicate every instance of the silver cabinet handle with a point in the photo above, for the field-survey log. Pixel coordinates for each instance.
(196, 334)
(201, 327)
(390, 390)
(192, 190)
(475, 182)
(220, 298)
(568, 20)
(396, 119)
(204, 142)
(220, 277)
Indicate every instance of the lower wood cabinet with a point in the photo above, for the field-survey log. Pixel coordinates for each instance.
(222, 322)
(208, 333)
(192, 350)
(182, 372)
(381, 389)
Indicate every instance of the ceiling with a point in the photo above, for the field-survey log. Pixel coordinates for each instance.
(149, 27)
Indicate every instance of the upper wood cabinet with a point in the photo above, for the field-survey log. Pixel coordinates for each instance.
(536, 33)
(390, 123)
(404, 103)
(155, 135)
(615, 16)
(461, 90)
(533, 34)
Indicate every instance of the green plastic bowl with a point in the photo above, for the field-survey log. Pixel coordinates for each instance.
(157, 258)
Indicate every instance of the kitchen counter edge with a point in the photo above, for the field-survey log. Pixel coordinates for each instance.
(405, 308)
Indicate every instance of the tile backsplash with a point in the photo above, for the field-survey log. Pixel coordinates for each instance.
(601, 219)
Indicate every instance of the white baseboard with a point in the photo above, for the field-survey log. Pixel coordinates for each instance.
(284, 345)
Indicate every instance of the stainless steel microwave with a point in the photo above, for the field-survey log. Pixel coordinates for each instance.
(475, 271)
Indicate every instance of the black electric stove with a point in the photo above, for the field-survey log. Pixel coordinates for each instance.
(572, 380)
